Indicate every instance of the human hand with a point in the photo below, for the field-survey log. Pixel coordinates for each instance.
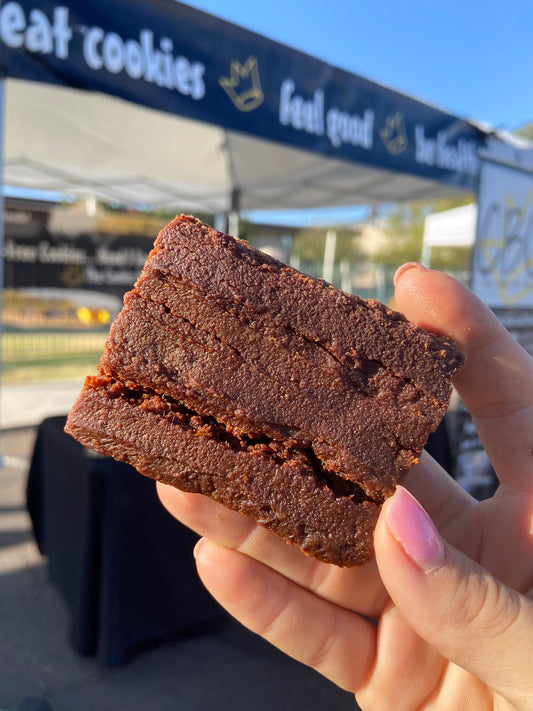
(454, 608)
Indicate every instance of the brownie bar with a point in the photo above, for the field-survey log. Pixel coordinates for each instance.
(317, 385)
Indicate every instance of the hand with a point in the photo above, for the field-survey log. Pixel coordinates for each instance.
(443, 618)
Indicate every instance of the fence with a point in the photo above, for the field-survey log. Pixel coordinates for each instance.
(50, 341)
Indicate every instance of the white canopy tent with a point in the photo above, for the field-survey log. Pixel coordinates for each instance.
(165, 105)
(84, 143)
(450, 228)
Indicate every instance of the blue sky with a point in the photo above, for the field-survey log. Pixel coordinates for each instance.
(471, 58)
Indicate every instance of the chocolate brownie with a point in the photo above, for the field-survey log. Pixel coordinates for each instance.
(231, 374)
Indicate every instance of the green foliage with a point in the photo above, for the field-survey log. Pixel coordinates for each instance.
(525, 131)
(309, 244)
(165, 214)
(246, 230)
(404, 225)
(451, 258)
(20, 299)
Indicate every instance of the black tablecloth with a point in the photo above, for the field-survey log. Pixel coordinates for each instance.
(438, 445)
(123, 564)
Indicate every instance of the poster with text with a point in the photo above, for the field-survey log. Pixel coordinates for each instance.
(502, 276)
(502, 273)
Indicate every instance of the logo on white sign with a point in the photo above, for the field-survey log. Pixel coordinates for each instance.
(503, 257)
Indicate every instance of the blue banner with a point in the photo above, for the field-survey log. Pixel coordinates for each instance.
(170, 57)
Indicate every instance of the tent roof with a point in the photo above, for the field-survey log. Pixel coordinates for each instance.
(165, 105)
(82, 143)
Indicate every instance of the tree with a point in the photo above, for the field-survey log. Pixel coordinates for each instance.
(525, 131)
(404, 225)
(309, 244)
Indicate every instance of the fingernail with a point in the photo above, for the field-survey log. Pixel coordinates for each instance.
(197, 547)
(405, 267)
(415, 531)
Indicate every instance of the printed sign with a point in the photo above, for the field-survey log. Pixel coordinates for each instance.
(171, 57)
(503, 278)
(503, 257)
(93, 262)
(473, 468)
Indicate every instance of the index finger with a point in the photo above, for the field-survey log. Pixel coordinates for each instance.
(496, 384)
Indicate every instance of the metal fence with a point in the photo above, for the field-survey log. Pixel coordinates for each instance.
(32, 345)
(38, 343)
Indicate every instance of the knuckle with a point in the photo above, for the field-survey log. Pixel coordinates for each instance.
(274, 616)
(318, 657)
(486, 604)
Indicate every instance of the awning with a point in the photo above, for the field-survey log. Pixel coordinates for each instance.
(160, 104)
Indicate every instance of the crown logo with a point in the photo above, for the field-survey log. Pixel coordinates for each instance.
(243, 86)
(394, 135)
(72, 276)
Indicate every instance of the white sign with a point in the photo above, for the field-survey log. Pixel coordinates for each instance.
(503, 256)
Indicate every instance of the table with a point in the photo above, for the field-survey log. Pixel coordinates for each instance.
(123, 564)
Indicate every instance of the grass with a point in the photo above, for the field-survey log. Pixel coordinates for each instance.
(38, 356)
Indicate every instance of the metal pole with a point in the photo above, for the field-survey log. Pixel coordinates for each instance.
(425, 257)
(220, 222)
(329, 255)
(233, 217)
(2, 112)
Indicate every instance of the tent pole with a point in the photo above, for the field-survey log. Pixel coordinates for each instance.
(233, 217)
(426, 254)
(233, 224)
(220, 222)
(2, 126)
(329, 256)
(235, 205)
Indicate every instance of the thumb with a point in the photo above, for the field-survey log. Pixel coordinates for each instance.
(452, 603)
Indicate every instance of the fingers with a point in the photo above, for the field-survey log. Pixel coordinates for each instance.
(453, 604)
(496, 384)
(441, 496)
(406, 671)
(357, 589)
(337, 643)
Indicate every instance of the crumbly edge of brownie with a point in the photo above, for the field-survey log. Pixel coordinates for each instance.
(284, 490)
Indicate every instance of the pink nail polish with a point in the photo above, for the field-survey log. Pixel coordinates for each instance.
(405, 267)
(415, 531)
